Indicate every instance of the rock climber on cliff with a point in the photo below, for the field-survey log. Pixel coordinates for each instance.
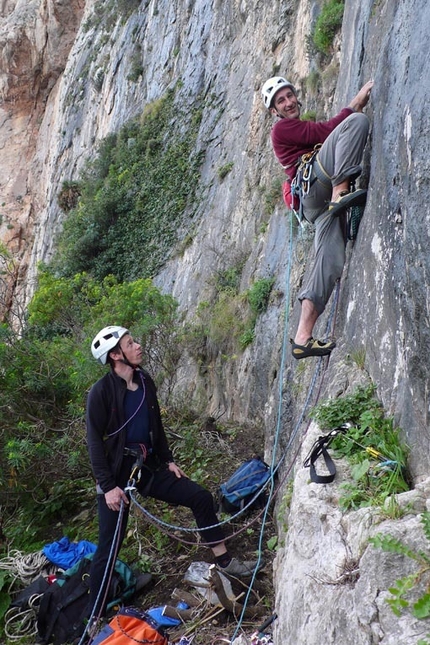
(322, 176)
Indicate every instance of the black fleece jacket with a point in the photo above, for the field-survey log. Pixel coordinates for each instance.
(105, 415)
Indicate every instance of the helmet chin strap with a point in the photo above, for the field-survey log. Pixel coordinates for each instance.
(125, 361)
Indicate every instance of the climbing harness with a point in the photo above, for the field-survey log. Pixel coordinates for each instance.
(319, 449)
(309, 170)
(136, 470)
(302, 181)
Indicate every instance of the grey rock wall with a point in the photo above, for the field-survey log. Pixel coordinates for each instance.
(332, 585)
(386, 308)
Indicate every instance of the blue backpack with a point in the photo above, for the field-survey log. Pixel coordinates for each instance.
(243, 485)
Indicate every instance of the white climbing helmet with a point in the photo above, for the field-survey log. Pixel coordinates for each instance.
(271, 86)
(106, 340)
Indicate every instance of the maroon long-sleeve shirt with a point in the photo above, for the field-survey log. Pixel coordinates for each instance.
(292, 138)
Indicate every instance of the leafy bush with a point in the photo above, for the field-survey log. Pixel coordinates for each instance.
(310, 115)
(225, 169)
(46, 372)
(259, 294)
(272, 195)
(226, 325)
(328, 24)
(69, 196)
(372, 445)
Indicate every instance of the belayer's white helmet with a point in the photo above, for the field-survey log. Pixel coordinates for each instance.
(106, 340)
(271, 86)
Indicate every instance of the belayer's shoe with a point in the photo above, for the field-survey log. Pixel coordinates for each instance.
(312, 347)
(346, 199)
(240, 569)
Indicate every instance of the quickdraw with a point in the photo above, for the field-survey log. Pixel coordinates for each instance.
(303, 180)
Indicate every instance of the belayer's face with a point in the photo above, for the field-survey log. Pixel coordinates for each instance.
(131, 349)
(285, 104)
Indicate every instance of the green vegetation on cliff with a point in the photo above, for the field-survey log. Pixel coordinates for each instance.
(137, 198)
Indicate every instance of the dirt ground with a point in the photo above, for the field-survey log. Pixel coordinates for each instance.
(212, 624)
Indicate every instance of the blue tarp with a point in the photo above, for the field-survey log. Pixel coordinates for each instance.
(65, 554)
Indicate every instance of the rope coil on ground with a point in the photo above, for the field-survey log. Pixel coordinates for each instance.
(19, 622)
(27, 567)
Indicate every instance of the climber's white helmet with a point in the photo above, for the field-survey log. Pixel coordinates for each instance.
(106, 340)
(271, 86)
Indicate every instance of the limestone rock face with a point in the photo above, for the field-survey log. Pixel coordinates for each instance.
(73, 71)
(35, 42)
(332, 584)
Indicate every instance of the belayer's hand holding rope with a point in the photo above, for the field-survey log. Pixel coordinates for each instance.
(114, 498)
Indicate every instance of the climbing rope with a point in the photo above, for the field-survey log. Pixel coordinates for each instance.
(172, 529)
(321, 362)
(26, 567)
(20, 623)
(193, 529)
(95, 615)
(278, 425)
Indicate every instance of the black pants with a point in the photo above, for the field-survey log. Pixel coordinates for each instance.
(166, 487)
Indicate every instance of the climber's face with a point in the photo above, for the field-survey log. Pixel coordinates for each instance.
(285, 104)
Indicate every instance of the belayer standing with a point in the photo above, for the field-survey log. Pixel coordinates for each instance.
(124, 422)
(326, 192)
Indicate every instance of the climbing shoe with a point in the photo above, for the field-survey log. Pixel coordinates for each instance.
(240, 569)
(353, 221)
(312, 347)
(346, 199)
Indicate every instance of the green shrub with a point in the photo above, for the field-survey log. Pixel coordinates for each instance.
(400, 591)
(310, 115)
(328, 24)
(229, 279)
(46, 372)
(69, 196)
(273, 195)
(225, 169)
(227, 324)
(313, 82)
(259, 294)
(372, 446)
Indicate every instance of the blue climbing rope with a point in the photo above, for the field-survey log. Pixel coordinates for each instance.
(297, 426)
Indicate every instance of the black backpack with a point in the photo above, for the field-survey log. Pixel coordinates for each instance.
(64, 608)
